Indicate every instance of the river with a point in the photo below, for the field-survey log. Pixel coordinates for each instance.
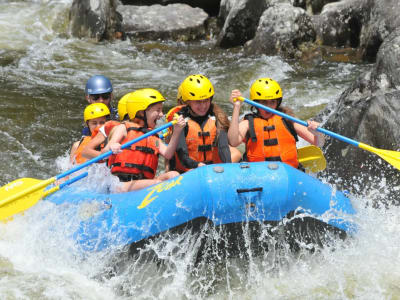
(42, 74)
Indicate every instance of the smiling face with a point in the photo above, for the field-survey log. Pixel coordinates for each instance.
(200, 107)
(154, 113)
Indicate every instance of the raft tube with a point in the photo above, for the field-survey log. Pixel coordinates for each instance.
(223, 195)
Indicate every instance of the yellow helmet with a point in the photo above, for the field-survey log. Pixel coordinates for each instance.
(122, 106)
(141, 99)
(95, 110)
(265, 89)
(196, 87)
(179, 95)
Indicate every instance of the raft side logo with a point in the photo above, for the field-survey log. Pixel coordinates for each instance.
(163, 186)
(14, 185)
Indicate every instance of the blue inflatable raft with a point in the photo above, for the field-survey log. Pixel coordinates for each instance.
(236, 199)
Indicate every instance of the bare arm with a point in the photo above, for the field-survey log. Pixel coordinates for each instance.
(115, 140)
(73, 150)
(310, 134)
(237, 131)
(90, 150)
(168, 151)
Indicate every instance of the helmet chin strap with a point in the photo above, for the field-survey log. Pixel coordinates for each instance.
(143, 118)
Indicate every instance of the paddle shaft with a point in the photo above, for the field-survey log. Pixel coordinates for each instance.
(283, 115)
(108, 153)
(46, 182)
(64, 184)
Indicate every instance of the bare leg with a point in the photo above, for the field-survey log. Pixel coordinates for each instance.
(168, 175)
(134, 185)
(236, 155)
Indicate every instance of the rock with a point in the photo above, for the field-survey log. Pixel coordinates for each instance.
(368, 112)
(96, 19)
(340, 23)
(282, 29)
(360, 24)
(239, 20)
(382, 21)
(174, 21)
(211, 7)
(312, 6)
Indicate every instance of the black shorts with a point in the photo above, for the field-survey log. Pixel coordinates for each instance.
(129, 177)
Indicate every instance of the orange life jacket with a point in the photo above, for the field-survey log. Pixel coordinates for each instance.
(271, 140)
(141, 158)
(78, 158)
(108, 126)
(202, 146)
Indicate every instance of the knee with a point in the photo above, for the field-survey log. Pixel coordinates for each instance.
(172, 174)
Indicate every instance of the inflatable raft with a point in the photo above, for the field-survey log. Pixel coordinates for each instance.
(238, 199)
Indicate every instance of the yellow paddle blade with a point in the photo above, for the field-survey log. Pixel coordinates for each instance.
(311, 158)
(392, 157)
(20, 195)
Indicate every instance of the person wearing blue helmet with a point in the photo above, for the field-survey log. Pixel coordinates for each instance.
(99, 89)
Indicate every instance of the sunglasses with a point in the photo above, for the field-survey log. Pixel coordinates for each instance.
(104, 96)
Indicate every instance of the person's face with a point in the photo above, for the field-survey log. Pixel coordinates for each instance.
(271, 104)
(154, 113)
(100, 98)
(93, 123)
(200, 107)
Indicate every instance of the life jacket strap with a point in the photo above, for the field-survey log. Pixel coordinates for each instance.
(271, 142)
(145, 149)
(273, 158)
(204, 148)
(140, 129)
(134, 166)
(203, 134)
(269, 128)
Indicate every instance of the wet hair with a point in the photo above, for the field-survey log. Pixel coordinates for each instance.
(287, 110)
(179, 101)
(223, 121)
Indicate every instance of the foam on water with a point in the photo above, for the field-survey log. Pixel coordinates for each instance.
(39, 249)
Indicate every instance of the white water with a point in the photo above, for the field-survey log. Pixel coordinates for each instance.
(40, 66)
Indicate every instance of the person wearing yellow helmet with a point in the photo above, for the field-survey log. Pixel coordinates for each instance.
(137, 166)
(101, 134)
(204, 140)
(269, 137)
(94, 115)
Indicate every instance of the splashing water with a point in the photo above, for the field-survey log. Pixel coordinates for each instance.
(43, 71)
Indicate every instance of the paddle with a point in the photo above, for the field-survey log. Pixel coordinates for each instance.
(311, 158)
(64, 184)
(20, 190)
(392, 157)
(7, 209)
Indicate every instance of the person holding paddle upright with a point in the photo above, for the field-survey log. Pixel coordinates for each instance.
(267, 136)
(136, 166)
(204, 140)
(94, 115)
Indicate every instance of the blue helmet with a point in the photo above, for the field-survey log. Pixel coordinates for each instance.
(98, 84)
